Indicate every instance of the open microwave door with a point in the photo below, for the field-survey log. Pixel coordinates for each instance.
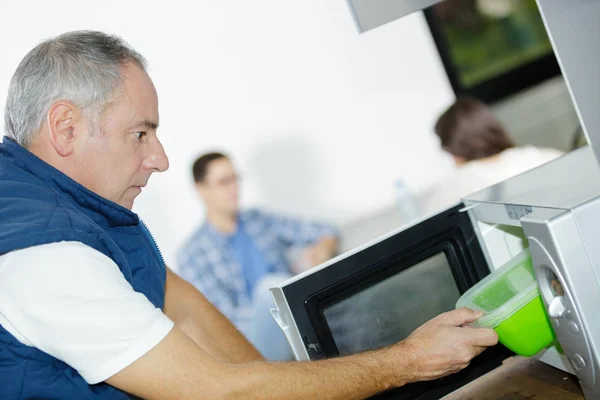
(377, 294)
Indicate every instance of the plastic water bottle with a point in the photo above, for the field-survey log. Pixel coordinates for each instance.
(406, 204)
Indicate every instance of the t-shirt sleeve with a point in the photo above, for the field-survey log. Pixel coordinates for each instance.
(72, 302)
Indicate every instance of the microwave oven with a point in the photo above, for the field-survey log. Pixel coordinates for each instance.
(376, 294)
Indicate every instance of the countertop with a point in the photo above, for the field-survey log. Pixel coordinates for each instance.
(521, 378)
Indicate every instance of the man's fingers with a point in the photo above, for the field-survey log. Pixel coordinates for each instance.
(459, 317)
(483, 337)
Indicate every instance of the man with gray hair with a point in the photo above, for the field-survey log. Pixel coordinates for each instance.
(87, 307)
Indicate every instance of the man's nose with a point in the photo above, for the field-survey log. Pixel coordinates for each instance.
(157, 158)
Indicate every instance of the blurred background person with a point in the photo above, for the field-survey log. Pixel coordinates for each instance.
(483, 152)
(235, 256)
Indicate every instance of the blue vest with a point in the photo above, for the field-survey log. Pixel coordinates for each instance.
(41, 205)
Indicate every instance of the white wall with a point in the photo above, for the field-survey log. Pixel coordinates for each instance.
(320, 120)
(541, 116)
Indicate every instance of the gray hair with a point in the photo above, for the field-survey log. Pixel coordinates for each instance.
(83, 67)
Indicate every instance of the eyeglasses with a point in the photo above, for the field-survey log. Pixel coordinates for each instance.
(225, 181)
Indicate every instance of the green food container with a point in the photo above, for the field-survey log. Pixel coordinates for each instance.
(512, 304)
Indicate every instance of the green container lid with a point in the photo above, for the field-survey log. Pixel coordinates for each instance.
(510, 300)
(503, 292)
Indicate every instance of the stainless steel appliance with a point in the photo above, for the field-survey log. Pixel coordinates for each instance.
(365, 298)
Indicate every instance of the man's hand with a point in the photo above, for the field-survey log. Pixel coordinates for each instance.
(314, 255)
(445, 345)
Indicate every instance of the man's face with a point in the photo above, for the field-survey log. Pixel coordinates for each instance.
(118, 158)
(219, 189)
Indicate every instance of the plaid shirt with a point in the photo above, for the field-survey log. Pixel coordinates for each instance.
(208, 261)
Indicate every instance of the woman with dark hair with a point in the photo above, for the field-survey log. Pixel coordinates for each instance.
(483, 152)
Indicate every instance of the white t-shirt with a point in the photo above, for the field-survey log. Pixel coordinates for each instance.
(477, 175)
(72, 302)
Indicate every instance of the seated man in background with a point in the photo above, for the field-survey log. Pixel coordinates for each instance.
(483, 152)
(235, 256)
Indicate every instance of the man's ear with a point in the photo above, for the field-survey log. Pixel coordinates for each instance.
(64, 124)
(201, 188)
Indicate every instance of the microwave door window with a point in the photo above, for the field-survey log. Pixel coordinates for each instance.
(388, 311)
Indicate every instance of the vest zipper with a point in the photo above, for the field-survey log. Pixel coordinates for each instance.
(154, 245)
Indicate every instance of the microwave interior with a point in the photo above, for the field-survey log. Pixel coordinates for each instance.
(378, 294)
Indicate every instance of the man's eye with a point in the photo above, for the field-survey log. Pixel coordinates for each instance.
(139, 135)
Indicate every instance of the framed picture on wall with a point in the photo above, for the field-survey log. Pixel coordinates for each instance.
(492, 49)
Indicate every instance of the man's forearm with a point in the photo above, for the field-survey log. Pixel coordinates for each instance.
(353, 377)
(177, 369)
